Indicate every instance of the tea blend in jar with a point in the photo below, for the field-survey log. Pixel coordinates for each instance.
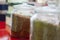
(44, 27)
(20, 26)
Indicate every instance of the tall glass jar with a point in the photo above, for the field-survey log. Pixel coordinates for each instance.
(44, 24)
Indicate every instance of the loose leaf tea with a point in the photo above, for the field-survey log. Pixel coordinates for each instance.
(20, 26)
(58, 32)
(43, 31)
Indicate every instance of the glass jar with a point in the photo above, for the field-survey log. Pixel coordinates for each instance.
(21, 21)
(44, 24)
